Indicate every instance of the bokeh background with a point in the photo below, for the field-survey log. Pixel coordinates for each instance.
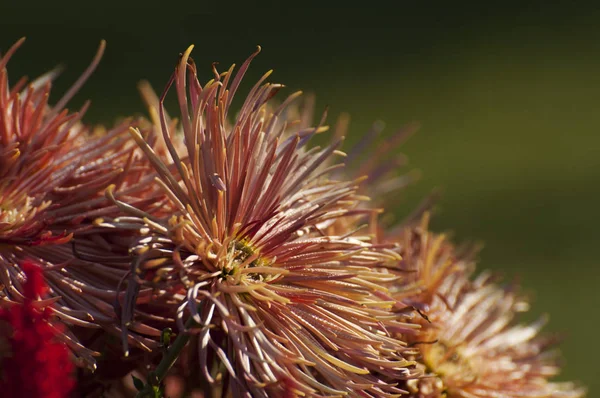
(507, 95)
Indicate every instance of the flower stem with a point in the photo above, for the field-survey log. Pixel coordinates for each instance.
(152, 387)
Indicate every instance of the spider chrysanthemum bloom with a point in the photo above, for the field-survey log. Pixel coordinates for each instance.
(34, 142)
(53, 174)
(37, 154)
(271, 296)
(53, 170)
(469, 343)
(374, 160)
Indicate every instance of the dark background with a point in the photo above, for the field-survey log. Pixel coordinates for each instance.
(508, 97)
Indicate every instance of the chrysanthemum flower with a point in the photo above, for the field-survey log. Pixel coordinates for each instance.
(51, 167)
(53, 174)
(34, 140)
(375, 162)
(270, 296)
(469, 344)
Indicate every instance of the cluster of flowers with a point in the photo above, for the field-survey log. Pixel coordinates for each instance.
(229, 253)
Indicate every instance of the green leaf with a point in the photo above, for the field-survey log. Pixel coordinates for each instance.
(138, 383)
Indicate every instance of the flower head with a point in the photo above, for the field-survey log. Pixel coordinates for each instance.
(270, 296)
(469, 343)
(53, 174)
(373, 162)
(38, 363)
(50, 167)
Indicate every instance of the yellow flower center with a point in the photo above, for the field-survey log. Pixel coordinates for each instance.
(14, 215)
(242, 256)
(449, 362)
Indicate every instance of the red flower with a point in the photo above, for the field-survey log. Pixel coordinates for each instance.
(38, 365)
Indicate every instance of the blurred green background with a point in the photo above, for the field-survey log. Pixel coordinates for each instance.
(507, 95)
